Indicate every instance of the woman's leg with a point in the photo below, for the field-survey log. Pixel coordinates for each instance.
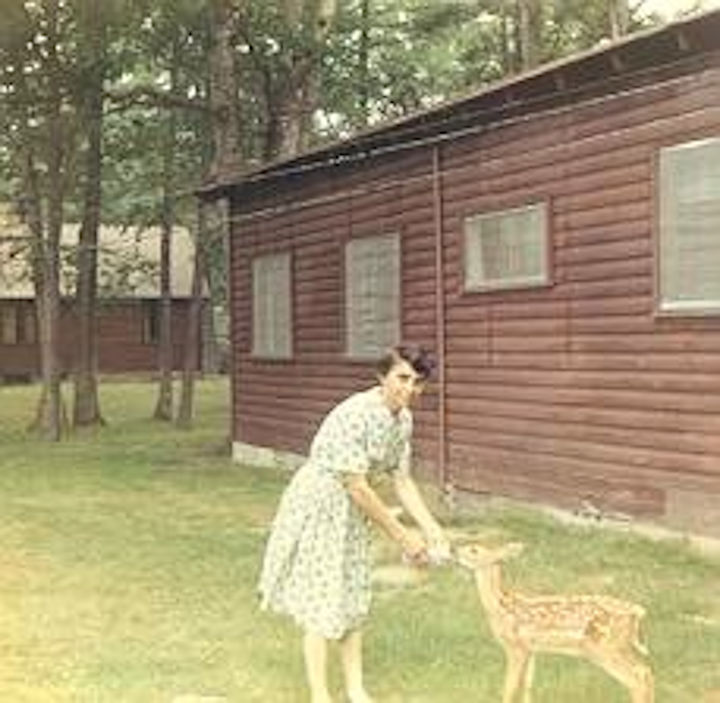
(351, 655)
(315, 650)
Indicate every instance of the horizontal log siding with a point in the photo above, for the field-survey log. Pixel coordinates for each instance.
(280, 403)
(579, 390)
(120, 347)
(558, 393)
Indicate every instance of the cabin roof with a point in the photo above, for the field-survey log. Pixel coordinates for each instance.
(638, 55)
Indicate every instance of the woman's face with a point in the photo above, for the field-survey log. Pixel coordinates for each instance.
(401, 385)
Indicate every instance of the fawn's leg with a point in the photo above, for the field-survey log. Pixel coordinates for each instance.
(634, 674)
(648, 683)
(315, 650)
(516, 662)
(352, 663)
(643, 689)
(527, 678)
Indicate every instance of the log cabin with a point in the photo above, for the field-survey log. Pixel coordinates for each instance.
(554, 238)
(128, 317)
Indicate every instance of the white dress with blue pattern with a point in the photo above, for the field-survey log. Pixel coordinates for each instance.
(317, 561)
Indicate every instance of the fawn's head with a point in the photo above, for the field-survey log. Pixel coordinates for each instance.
(473, 555)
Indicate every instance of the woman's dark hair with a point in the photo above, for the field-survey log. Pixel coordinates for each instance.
(420, 359)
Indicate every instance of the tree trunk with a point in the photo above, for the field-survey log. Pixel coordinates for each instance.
(529, 33)
(222, 89)
(506, 36)
(290, 124)
(192, 336)
(364, 63)
(292, 100)
(86, 410)
(225, 131)
(163, 408)
(619, 17)
(50, 412)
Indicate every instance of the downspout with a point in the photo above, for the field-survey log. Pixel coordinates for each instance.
(233, 359)
(440, 319)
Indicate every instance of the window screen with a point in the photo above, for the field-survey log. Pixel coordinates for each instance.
(506, 249)
(272, 320)
(372, 294)
(689, 211)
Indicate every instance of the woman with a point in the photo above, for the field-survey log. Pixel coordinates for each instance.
(317, 562)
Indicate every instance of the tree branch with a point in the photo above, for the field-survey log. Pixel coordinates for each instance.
(149, 96)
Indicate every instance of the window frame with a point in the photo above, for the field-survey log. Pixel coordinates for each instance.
(675, 308)
(266, 354)
(497, 285)
(354, 354)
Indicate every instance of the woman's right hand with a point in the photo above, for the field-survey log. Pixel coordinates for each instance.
(414, 547)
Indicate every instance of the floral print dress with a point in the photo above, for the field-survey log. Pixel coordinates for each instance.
(317, 560)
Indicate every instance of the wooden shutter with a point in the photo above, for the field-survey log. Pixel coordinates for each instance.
(507, 248)
(690, 226)
(372, 294)
(272, 323)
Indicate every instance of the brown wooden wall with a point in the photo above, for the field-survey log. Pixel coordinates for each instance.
(120, 344)
(280, 403)
(578, 390)
(581, 389)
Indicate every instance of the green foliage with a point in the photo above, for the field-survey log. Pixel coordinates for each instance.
(422, 52)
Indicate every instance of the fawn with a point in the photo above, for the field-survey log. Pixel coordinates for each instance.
(599, 628)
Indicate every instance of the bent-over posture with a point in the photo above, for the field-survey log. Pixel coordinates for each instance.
(317, 563)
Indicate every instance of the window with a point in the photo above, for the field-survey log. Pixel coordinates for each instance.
(272, 320)
(689, 242)
(150, 333)
(372, 294)
(9, 320)
(17, 324)
(507, 249)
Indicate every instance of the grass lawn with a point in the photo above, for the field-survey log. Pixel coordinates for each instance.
(130, 555)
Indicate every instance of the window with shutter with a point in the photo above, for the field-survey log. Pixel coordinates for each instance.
(689, 242)
(272, 301)
(372, 294)
(507, 249)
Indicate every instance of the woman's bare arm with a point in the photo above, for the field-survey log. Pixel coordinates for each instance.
(409, 495)
(363, 495)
